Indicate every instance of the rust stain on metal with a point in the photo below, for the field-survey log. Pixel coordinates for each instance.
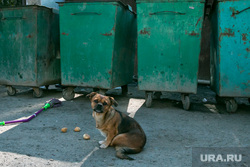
(198, 21)
(233, 12)
(64, 33)
(145, 31)
(114, 28)
(110, 72)
(193, 33)
(242, 71)
(29, 36)
(228, 32)
(108, 34)
(248, 49)
(244, 36)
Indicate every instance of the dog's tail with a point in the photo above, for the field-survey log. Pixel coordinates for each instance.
(122, 151)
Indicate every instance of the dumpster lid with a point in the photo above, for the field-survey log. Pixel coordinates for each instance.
(131, 4)
(26, 6)
(151, 1)
(29, 6)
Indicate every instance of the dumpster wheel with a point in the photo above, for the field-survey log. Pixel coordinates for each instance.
(11, 91)
(149, 99)
(37, 92)
(185, 101)
(231, 105)
(68, 93)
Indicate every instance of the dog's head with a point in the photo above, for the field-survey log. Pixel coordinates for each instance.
(101, 103)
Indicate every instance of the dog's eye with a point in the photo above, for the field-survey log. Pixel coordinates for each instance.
(96, 101)
(104, 103)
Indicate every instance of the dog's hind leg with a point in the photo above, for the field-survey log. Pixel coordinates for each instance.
(121, 152)
(127, 144)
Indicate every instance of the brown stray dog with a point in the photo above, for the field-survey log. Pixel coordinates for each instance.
(120, 130)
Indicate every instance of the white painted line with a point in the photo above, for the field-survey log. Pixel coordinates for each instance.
(85, 158)
(134, 105)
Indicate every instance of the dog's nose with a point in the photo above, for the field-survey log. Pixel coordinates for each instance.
(99, 106)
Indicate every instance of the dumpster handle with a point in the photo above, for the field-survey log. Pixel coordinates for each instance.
(163, 12)
(10, 18)
(86, 13)
(238, 12)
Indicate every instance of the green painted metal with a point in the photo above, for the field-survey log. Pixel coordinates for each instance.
(230, 49)
(169, 35)
(97, 44)
(163, 1)
(29, 45)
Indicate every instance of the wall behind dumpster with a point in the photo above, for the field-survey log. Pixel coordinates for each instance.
(47, 3)
(4, 3)
(204, 58)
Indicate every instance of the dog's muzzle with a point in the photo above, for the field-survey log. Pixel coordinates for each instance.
(98, 108)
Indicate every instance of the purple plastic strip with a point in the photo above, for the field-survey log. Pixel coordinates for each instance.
(25, 120)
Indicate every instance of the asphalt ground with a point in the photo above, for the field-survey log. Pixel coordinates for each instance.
(172, 133)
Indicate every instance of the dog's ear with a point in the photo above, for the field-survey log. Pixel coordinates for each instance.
(91, 95)
(113, 102)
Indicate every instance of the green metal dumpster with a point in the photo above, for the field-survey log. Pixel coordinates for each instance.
(29, 46)
(230, 51)
(169, 35)
(97, 41)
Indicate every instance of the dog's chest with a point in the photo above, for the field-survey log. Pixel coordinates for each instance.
(99, 123)
(103, 133)
(98, 119)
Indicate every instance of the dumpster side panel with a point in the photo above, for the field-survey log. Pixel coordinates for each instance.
(87, 32)
(233, 53)
(48, 47)
(18, 40)
(125, 47)
(169, 37)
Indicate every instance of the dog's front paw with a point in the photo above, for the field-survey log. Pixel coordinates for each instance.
(101, 142)
(103, 145)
